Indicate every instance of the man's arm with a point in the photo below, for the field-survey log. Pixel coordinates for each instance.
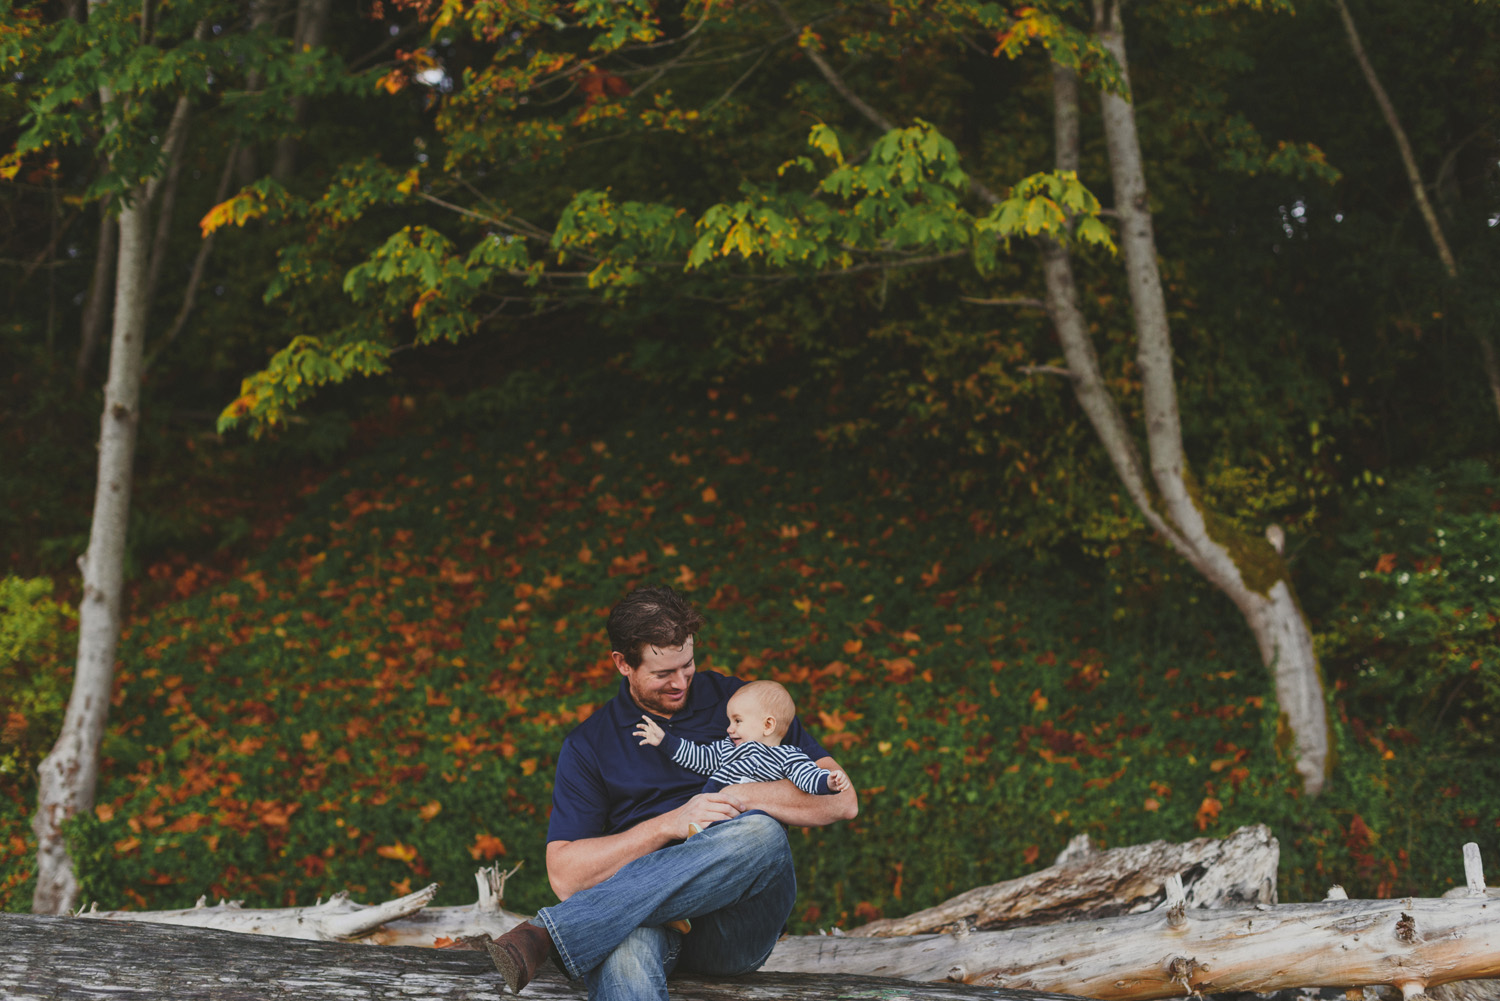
(577, 865)
(792, 806)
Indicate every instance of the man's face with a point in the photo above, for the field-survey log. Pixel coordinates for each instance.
(660, 684)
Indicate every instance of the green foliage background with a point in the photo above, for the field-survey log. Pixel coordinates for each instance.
(375, 699)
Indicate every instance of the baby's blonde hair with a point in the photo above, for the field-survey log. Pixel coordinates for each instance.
(775, 700)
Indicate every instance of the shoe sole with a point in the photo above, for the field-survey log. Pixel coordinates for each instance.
(509, 964)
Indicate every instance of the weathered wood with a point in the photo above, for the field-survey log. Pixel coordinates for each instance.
(61, 959)
(1407, 944)
(1216, 872)
(406, 921)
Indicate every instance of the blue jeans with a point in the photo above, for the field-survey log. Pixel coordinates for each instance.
(735, 881)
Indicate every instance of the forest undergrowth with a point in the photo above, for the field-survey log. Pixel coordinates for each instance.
(372, 698)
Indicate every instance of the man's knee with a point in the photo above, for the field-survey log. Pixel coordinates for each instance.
(758, 833)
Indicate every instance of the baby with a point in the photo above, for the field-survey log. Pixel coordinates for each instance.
(759, 715)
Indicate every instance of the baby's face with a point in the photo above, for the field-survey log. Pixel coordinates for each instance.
(749, 720)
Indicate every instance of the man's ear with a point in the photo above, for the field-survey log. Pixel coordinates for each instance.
(621, 664)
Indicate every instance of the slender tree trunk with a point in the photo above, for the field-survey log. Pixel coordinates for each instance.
(94, 311)
(1487, 353)
(262, 13)
(68, 774)
(200, 264)
(1243, 566)
(312, 21)
(177, 140)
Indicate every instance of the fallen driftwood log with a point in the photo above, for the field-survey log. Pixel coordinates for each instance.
(1171, 951)
(1406, 944)
(1215, 872)
(59, 959)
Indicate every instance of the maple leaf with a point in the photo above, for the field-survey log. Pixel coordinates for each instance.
(1208, 812)
(486, 847)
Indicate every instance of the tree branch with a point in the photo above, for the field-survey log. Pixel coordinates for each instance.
(1019, 303)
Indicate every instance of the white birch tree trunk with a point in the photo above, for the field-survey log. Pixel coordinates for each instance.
(1246, 568)
(69, 773)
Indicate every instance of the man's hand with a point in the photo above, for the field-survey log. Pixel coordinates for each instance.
(649, 732)
(703, 809)
(838, 781)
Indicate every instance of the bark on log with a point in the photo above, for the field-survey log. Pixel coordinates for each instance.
(60, 959)
(1216, 872)
(1408, 944)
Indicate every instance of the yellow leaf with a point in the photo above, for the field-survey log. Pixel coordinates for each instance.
(393, 81)
(431, 810)
(239, 210)
(710, 495)
(398, 851)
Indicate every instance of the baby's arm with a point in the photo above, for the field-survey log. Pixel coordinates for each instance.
(700, 758)
(808, 777)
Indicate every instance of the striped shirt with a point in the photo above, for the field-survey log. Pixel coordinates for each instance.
(727, 763)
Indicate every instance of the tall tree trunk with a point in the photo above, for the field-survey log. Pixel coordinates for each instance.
(68, 774)
(1487, 353)
(1245, 567)
(312, 21)
(177, 143)
(262, 13)
(94, 311)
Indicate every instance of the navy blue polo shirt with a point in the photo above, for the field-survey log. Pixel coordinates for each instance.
(607, 781)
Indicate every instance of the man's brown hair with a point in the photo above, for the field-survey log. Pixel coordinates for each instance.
(651, 616)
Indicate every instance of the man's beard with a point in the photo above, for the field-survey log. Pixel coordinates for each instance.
(656, 704)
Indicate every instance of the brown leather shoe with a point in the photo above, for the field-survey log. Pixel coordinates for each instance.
(519, 954)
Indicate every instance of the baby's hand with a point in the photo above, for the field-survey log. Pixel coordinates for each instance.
(649, 732)
(838, 781)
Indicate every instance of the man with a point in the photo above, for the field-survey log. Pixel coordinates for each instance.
(620, 855)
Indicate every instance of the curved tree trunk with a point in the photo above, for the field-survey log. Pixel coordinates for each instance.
(1246, 568)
